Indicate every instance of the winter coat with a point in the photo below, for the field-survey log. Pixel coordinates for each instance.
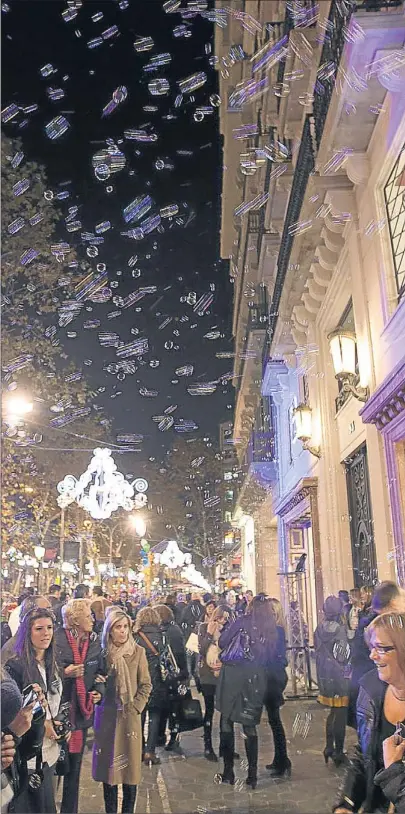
(5, 632)
(94, 665)
(332, 657)
(360, 662)
(206, 674)
(243, 685)
(392, 782)
(358, 784)
(276, 672)
(192, 614)
(158, 696)
(173, 636)
(117, 749)
(50, 749)
(29, 746)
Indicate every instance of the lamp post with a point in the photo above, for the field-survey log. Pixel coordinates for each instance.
(39, 551)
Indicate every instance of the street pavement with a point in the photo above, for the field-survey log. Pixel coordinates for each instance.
(185, 784)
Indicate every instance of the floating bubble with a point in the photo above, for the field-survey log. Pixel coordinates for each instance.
(47, 70)
(143, 44)
(193, 82)
(57, 127)
(159, 87)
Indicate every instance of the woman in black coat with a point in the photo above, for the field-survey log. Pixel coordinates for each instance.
(248, 647)
(173, 637)
(380, 705)
(147, 633)
(333, 671)
(79, 656)
(210, 666)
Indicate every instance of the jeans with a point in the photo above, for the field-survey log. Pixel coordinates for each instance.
(71, 781)
(191, 663)
(154, 714)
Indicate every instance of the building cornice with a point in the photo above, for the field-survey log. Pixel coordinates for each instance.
(386, 407)
(307, 487)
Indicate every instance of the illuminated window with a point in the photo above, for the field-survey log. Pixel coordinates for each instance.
(394, 193)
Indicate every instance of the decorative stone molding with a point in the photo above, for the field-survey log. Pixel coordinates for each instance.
(310, 304)
(303, 316)
(333, 241)
(316, 291)
(394, 81)
(326, 257)
(357, 167)
(299, 337)
(321, 275)
(387, 403)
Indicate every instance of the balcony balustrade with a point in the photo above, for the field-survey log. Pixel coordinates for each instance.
(335, 39)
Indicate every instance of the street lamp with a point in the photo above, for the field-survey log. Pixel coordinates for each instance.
(303, 423)
(342, 346)
(39, 551)
(139, 524)
(16, 407)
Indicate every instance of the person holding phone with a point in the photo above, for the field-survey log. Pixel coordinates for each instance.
(380, 705)
(81, 660)
(33, 668)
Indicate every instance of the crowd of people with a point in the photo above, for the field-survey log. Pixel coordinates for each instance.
(124, 668)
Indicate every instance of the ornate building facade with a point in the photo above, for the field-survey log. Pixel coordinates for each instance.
(313, 223)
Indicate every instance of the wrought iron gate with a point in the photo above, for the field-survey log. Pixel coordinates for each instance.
(361, 519)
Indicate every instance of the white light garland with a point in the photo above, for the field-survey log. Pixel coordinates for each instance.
(100, 490)
(172, 557)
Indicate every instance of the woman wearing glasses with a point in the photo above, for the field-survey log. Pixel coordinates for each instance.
(380, 714)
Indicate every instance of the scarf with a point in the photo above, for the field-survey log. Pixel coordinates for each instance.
(80, 696)
(119, 663)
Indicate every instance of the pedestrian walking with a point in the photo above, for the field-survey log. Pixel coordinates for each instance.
(274, 698)
(192, 615)
(333, 671)
(210, 667)
(79, 655)
(149, 636)
(380, 705)
(173, 637)
(117, 749)
(34, 662)
(247, 648)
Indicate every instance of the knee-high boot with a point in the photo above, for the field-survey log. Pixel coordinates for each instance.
(208, 750)
(227, 745)
(251, 746)
(110, 798)
(128, 799)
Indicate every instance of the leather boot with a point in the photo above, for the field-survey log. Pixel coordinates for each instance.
(209, 753)
(227, 742)
(251, 746)
(128, 799)
(110, 798)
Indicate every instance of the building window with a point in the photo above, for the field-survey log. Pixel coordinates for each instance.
(394, 194)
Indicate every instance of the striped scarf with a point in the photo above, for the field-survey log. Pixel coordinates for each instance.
(79, 695)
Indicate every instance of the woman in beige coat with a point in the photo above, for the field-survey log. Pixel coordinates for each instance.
(117, 751)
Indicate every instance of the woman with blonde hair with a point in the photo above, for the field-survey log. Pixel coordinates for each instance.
(117, 723)
(380, 705)
(278, 612)
(149, 636)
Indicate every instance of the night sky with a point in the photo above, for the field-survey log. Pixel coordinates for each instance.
(180, 258)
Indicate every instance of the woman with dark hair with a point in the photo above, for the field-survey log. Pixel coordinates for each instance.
(173, 637)
(210, 667)
(117, 722)
(380, 706)
(274, 699)
(332, 669)
(149, 636)
(248, 647)
(34, 663)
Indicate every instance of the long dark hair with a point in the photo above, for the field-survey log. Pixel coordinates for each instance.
(25, 651)
(262, 616)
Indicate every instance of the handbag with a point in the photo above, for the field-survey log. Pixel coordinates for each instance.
(190, 714)
(192, 643)
(238, 649)
(168, 666)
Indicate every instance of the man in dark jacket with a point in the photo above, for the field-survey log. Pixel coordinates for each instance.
(193, 614)
(79, 655)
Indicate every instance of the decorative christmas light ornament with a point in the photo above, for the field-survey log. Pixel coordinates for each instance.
(101, 490)
(172, 557)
